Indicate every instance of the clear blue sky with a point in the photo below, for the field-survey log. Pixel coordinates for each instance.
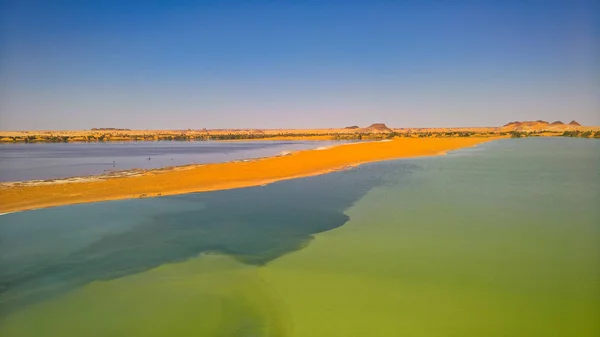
(268, 64)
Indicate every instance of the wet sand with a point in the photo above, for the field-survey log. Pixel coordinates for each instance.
(210, 177)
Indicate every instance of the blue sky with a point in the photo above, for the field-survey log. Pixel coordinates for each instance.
(300, 64)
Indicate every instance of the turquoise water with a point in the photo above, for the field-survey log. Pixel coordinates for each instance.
(502, 239)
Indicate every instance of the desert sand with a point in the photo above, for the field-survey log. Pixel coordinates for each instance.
(210, 177)
(373, 132)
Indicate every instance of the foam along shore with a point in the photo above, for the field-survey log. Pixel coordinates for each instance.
(218, 176)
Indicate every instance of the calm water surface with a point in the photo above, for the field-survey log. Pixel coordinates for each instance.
(19, 162)
(502, 239)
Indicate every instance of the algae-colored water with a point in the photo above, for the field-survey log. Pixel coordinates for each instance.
(498, 240)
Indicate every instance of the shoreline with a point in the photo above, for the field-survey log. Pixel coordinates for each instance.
(108, 174)
(29, 195)
(116, 141)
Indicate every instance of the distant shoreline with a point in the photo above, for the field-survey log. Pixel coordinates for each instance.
(210, 177)
(377, 131)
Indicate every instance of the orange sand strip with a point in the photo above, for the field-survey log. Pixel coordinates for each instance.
(220, 176)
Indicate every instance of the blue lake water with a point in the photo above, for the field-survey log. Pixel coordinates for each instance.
(19, 162)
(502, 239)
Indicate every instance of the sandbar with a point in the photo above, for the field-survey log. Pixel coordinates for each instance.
(210, 177)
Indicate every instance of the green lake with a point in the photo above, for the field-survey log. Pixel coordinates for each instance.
(502, 239)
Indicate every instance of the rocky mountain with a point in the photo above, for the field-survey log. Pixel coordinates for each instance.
(539, 125)
(378, 128)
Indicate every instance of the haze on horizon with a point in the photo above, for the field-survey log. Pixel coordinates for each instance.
(309, 64)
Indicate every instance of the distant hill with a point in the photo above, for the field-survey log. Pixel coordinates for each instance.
(378, 128)
(109, 129)
(373, 128)
(539, 125)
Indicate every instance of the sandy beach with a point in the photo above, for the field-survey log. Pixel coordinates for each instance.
(210, 177)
